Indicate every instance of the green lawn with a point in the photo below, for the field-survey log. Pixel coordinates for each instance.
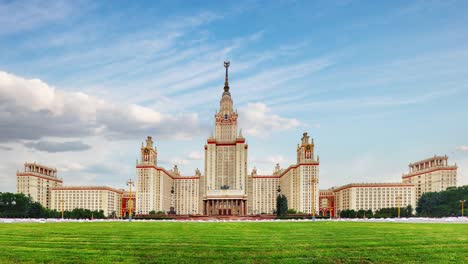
(241, 242)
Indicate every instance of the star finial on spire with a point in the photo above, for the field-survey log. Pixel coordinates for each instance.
(226, 82)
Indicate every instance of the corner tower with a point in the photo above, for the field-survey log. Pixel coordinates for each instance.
(225, 178)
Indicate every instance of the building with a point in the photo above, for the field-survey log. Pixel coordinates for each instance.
(327, 205)
(36, 181)
(373, 196)
(87, 197)
(431, 175)
(158, 189)
(225, 188)
(125, 207)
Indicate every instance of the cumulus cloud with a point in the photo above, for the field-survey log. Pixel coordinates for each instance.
(30, 109)
(462, 148)
(53, 147)
(257, 119)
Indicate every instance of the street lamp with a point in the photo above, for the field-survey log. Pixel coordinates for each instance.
(130, 201)
(399, 200)
(462, 206)
(313, 197)
(62, 201)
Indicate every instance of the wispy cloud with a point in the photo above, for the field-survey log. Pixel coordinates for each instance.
(18, 16)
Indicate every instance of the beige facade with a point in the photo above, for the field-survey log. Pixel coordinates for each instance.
(298, 182)
(374, 196)
(224, 183)
(431, 175)
(225, 188)
(160, 190)
(87, 197)
(37, 181)
(264, 189)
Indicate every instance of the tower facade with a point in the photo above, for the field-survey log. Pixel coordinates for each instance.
(153, 184)
(223, 186)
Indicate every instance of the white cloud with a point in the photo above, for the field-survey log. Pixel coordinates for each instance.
(195, 155)
(257, 119)
(462, 148)
(31, 109)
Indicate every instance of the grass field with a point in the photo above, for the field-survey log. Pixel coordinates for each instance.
(241, 242)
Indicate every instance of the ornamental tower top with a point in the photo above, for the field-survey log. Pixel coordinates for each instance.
(226, 118)
(226, 100)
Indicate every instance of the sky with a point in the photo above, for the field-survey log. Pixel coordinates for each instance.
(377, 84)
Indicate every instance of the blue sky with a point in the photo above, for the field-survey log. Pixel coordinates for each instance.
(377, 84)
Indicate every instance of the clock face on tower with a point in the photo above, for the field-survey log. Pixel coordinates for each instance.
(225, 117)
(308, 147)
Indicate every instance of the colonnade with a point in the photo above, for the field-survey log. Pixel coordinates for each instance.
(225, 207)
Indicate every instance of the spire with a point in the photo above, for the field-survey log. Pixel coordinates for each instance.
(226, 82)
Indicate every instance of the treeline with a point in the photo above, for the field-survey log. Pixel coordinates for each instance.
(441, 204)
(381, 213)
(18, 205)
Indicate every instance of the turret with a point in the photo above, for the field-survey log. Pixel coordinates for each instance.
(305, 151)
(148, 153)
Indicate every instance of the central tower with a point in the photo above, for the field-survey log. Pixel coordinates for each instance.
(224, 184)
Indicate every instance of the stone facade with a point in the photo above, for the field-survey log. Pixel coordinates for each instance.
(37, 181)
(373, 196)
(87, 197)
(431, 175)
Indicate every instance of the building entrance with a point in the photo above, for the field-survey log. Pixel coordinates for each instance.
(220, 207)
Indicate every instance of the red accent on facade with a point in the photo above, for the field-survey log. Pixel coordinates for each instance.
(373, 186)
(331, 203)
(125, 199)
(103, 188)
(186, 178)
(424, 172)
(42, 177)
(297, 165)
(226, 144)
(265, 177)
(166, 172)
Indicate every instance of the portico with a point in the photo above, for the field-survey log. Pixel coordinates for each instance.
(225, 206)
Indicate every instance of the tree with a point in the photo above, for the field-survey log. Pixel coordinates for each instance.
(360, 213)
(292, 211)
(281, 205)
(152, 212)
(442, 204)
